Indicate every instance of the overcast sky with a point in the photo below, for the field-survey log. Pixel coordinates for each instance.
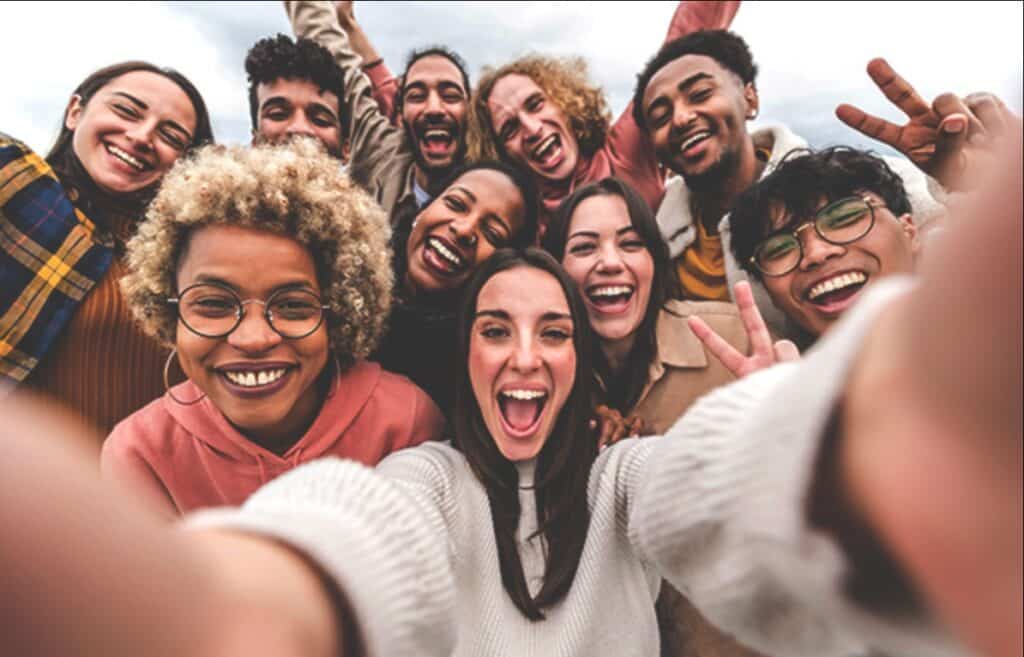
(811, 54)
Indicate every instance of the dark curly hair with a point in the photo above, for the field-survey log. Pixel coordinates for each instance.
(274, 58)
(803, 180)
(723, 46)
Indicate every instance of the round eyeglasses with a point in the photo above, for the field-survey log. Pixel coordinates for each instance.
(842, 222)
(214, 311)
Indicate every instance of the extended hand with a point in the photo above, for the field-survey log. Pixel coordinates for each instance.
(763, 353)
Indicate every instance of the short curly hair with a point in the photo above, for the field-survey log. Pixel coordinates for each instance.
(295, 190)
(276, 58)
(564, 81)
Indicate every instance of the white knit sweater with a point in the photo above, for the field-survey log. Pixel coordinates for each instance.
(716, 507)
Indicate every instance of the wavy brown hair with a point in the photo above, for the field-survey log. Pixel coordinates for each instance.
(295, 190)
(564, 81)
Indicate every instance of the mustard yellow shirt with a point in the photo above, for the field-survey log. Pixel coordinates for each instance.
(701, 268)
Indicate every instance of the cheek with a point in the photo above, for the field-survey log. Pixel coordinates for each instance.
(192, 349)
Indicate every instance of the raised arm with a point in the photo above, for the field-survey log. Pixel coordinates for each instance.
(871, 492)
(384, 83)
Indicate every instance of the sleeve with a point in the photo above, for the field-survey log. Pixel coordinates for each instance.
(372, 136)
(378, 541)
(719, 508)
(385, 86)
(630, 151)
(121, 462)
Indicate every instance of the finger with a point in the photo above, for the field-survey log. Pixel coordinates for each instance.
(991, 112)
(899, 92)
(869, 124)
(719, 348)
(750, 314)
(949, 105)
(786, 351)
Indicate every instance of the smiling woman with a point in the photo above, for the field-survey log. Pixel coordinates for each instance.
(270, 280)
(64, 328)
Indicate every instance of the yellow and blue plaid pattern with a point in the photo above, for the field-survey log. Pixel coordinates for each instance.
(49, 259)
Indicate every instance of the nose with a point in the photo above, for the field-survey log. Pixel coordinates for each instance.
(254, 334)
(531, 125)
(464, 232)
(816, 250)
(526, 357)
(300, 126)
(434, 104)
(682, 114)
(609, 258)
(140, 134)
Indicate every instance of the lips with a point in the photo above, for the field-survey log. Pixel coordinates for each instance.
(836, 292)
(444, 258)
(437, 141)
(548, 153)
(254, 379)
(610, 298)
(521, 409)
(131, 161)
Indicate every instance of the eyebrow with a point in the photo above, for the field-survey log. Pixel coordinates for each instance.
(297, 284)
(173, 124)
(465, 191)
(692, 80)
(590, 233)
(501, 314)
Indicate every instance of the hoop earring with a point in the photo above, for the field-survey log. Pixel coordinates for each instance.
(167, 384)
(752, 115)
(332, 385)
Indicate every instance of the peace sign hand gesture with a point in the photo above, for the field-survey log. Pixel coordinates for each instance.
(763, 353)
(946, 139)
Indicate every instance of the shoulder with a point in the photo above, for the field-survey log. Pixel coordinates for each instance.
(152, 420)
(434, 463)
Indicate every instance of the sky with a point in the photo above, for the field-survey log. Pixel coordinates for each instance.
(811, 55)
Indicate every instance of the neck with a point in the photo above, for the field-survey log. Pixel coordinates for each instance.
(711, 202)
(616, 352)
(280, 437)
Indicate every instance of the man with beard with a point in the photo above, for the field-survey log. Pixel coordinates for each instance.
(295, 89)
(401, 166)
(693, 99)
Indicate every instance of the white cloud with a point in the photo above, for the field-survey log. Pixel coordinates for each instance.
(812, 54)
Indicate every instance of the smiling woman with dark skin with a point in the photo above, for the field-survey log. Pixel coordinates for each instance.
(65, 221)
(271, 281)
(484, 206)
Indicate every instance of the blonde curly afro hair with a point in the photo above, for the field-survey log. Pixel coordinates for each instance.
(295, 190)
(564, 81)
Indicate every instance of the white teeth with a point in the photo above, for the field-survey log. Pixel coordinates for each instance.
(126, 158)
(836, 283)
(611, 291)
(443, 134)
(253, 379)
(540, 151)
(694, 139)
(524, 395)
(446, 253)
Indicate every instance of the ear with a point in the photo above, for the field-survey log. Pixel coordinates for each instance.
(752, 99)
(73, 114)
(910, 230)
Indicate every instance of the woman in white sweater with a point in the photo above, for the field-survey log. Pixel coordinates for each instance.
(811, 502)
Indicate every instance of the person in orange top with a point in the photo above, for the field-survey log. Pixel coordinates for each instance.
(271, 281)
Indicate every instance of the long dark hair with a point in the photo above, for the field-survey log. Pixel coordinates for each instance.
(62, 156)
(623, 388)
(563, 465)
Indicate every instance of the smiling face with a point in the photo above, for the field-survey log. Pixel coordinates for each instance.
(532, 129)
(522, 361)
(831, 277)
(696, 110)
(130, 133)
(610, 263)
(263, 383)
(478, 213)
(434, 104)
(298, 107)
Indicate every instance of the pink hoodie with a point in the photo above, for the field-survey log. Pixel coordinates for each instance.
(189, 457)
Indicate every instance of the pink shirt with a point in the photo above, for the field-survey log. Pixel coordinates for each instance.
(189, 457)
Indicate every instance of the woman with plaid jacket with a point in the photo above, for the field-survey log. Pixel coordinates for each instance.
(64, 328)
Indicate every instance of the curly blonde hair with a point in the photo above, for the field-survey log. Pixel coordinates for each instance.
(295, 190)
(564, 81)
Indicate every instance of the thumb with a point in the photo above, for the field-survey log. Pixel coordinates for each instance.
(786, 351)
(949, 143)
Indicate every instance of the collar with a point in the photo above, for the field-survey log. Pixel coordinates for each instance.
(678, 345)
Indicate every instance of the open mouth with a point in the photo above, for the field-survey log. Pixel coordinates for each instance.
(437, 141)
(690, 147)
(521, 410)
(127, 158)
(610, 298)
(548, 153)
(249, 381)
(837, 292)
(442, 257)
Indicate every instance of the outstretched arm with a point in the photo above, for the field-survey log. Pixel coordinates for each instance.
(945, 139)
(384, 83)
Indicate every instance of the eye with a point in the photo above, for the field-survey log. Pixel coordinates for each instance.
(173, 139)
(415, 96)
(455, 203)
(211, 305)
(493, 235)
(492, 332)
(556, 334)
(534, 103)
(657, 116)
(127, 111)
(508, 130)
(279, 114)
(776, 248)
(700, 95)
(633, 244)
(581, 249)
(324, 120)
(452, 97)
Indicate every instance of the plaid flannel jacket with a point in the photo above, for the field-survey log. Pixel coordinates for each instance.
(50, 258)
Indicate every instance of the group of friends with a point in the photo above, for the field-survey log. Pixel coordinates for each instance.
(557, 357)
